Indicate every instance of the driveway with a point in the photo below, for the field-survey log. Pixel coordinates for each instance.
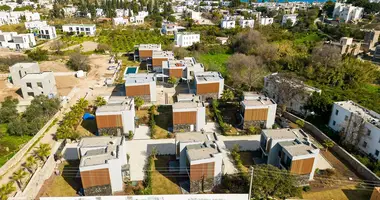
(142, 133)
(322, 162)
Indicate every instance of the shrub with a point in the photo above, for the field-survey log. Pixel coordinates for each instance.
(78, 61)
(172, 80)
(300, 123)
(38, 54)
(130, 135)
(252, 130)
(306, 188)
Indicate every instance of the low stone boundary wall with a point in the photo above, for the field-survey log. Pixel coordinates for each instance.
(355, 164)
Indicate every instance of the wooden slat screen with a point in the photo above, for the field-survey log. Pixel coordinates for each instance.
(304, 166)
(175, 73)
(95, 178)
(145, 53)
(137, 90)
(157, 62)
(200, 171)
(185, 117)
(109, 121)
(207, 88)
(256, 114)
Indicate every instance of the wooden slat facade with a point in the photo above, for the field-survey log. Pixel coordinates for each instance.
(137, 90)
(145, 53)
(184, 117)
(109, 121)
(304, 166)
(207, 88)
(177, 73)
(96, 177)
(256, 114)
(200, 171)
(157, 62)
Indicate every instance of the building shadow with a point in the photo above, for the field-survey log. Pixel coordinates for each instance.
(164, 119)
(245, 145)
(90, 125)
(162, 149)
(119, 90)
(71, 175)
(360, 193)
(19, 92)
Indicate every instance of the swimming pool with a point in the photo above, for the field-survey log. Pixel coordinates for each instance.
(131, 70)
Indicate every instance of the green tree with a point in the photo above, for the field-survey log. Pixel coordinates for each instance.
(31, 164)
(272, 182)
(43, 151)
(172, 80)
(154, 152)
(228, 95)
(300, 123)
(139, 102)
(6, 190)
(8, 110)
(38, 54)
(18, 176)
(5, 8)
(100, 101)
(328, 144)
(77, 61)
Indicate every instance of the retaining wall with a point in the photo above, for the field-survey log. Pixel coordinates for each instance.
(342, 154)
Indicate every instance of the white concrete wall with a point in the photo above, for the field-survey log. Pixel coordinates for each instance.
(153, 92)
(337, 121)
(201, 118)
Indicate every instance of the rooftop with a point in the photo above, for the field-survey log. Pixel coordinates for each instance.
(37, 76)
(306, 87)
(176, 63)
(195, 137)
(116, 104)
(148, 46)
(369, 115)
(207, 76)
(256, 99)
(278, 134)
(187, 33)
(182, 105)
(188, 98)
(298, 148)
(130, 79)
(201, 151)
(25, 65)
(99, 141)
(163, 54)
(84, 25)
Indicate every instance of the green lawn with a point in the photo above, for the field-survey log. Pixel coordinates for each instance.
(163, 121)
(215, 62)
(164, 182)
(9, 145)
(348, 192)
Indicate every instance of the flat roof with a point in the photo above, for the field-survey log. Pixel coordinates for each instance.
(305, 86)
(26, 65)
(99, 141)
(369, 115)
(195, 137)
(176, 64)
(182, 105)
(115, 106)
(163, 54)
(38, 76)
(207, 76)
(258, 102)
(148, 46)
(299, 149)
(84, 25)
(187, 33)
(139, 78)
(201, 151)
(285, 133)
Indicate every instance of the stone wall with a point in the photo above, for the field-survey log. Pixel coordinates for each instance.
(181, 128)
(341, 153)
(111, 131)
(101, 190)
(205, 97)
(203, 185)
(247, 124)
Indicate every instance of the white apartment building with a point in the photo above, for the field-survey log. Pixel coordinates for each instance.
(12, 40)
(19, 70)
(6, 18)
(35, 84)
(227, 24)
(194, 15)
(189, 113)
(35, 24)
(143, 14)
(266, 21)
(119, 21)
(32, 16)
(257, 110)
(290, 149)
(103, 157)
(297, 103)
(136, 20)
(142, 85)
(291, 17)
(186, 39)
(99, 12)
(247, 23)
(117, 117)
(86, 29)
(357, 126)
(209, 84)
(122, 12)
(47, 32)
(347, 12)
(70, 10)
(171, 28)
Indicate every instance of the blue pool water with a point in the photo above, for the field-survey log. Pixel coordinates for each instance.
(131, 70)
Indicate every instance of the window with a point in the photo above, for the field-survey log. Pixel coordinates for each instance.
(376, 153)
(334, 122)
(29, 85)
(39, 84)
(365, 144)
(368, 132)
(336, 112)
(31, 94)
(345, 118)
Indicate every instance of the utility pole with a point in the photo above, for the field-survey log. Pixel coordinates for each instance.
(250, 184)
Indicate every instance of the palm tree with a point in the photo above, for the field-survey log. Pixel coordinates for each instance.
(30, 163)
(100, 101)
(82, 103)
(6, 190)
(43, 151)
(18, 176)
(328, 144)
(139, 102)
(154, 152)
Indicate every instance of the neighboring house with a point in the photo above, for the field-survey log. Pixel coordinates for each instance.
(376, 53)
(200, 158)
(12, 40)
(346, 46)
(186, 39)
(357, 126)
(47, 32)
(122, 12)
(222, 40)
(32, 16)
(297, 103)
(158, 57)
(371, 37)
(291, 17)
(117, 117)
(227, 24)
(194, 15)
(99, 12)
(257, 110)
(35, 84)
(86, 29)
(189, 113)
(144, 52)
(142, 85)
(181, 68)
(347, 12)
(69, 10)
(209, 84)
(19, 70)
(247, 23)
(119, 21)
(290, 149)
(103, 164)
(136, 20)
(35, 24)
(266, 21)
(171, 29)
